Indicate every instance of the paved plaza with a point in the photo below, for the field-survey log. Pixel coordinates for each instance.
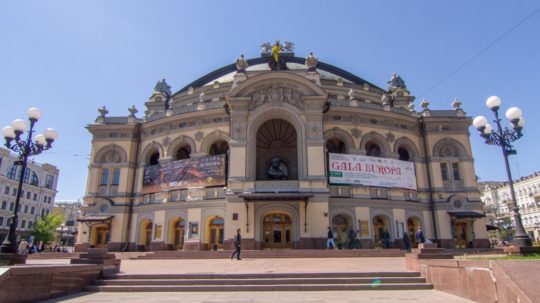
(176, 266)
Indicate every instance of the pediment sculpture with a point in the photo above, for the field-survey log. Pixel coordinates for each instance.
(276, 95)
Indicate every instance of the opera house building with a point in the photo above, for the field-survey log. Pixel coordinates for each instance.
(282, 148)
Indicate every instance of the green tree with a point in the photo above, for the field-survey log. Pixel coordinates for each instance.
(45, 228)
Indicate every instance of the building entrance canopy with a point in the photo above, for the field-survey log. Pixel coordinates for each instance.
(466, 214)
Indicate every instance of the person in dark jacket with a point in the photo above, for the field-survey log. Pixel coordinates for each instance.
(420, 236)
(406, 242)
(237, 243)
(330, 244)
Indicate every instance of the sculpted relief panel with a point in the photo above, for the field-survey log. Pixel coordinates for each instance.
(276, 96)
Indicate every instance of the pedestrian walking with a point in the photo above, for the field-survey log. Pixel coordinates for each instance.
(237, 244)
(420, 236)
(330, 244)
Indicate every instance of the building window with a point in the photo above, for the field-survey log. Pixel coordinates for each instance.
(1, 221)
(14, 192)
(49, 181)
(6, 190)
(444, 172)
(12, 173)
(26, 209)
(43, 213)
(28, 195)
(116, 177)
(23, 223)
(4, 204)
(32, 210)
(455, 171)
(30, 224)
(104, 177)
(35, 197)
(11, 206)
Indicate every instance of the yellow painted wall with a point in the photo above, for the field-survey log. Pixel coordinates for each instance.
(315, 156)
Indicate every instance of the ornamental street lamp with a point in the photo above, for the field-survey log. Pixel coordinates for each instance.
(503, 137)
(25, 148)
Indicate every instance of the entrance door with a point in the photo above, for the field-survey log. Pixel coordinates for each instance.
(179, 234)
(102, 235)
(460, 234)
(216, 232)
(148, 235)
(276, 231)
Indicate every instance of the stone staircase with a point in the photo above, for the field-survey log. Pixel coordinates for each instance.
(288, 253)
(260, 282)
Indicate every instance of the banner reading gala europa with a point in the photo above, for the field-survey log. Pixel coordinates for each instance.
(371, 171)
(182, 174)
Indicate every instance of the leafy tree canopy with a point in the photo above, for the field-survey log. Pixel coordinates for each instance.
(45, 228)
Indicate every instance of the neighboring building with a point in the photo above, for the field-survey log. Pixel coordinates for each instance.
(70, 210)
(498, 203)
(250, 147)
(39, 190)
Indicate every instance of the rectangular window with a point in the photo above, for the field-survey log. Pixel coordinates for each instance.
(26, 209)
(104, 176)
(28, 195)
(11, 206)
(1, 221)
(32, 210)
(444, 172)
(23, 224)
(14, 192)
(42, 212)
(47, 212)
(4, 204)
(116, 177)
(44, 199)
(35, 197)
(6, 191)
(30, 224)
(49, 181)
(455, 171)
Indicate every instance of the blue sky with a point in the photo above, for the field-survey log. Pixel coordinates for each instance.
(70, 57)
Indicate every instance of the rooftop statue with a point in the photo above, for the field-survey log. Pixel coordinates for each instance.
(266, 47)
(289, 46)
(162, 87)
(311, 62)
(241, 64)
(396, 82)
(276, 48)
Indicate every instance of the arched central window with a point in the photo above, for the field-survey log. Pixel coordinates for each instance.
(277, 151)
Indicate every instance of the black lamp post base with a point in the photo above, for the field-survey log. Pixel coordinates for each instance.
(522, 241)
(8, 248)
(12, 259)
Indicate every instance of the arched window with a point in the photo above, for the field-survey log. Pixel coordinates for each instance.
(403, 154)
(372, 149)
(183, 152)
(154, 159)
(219, 147)
(336, 146)
(14, 173)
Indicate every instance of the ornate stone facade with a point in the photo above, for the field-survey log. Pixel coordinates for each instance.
(290, 118)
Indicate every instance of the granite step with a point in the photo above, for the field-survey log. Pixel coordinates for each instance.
(275, 287)
(336, 281)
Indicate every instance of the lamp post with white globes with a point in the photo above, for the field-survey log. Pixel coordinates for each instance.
(503, 137)
(25, 148)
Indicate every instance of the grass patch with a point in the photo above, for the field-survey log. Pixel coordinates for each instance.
(501, 257)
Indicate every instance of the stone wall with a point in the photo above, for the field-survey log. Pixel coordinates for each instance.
(34, 283)
(485, 280)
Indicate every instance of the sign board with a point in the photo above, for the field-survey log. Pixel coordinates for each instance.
(364, 228)
(371, 171)
(195, 172)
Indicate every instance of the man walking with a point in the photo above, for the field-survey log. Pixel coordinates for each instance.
(237, 243)
(330, 244)
(420, 236)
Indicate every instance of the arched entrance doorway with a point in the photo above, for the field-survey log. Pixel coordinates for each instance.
(277, 231)
(412, 226)
(177, 229)
(100, 236)
(381, 228)
(145, 235)
(216, 228)
(340, 226)
(277, 151)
